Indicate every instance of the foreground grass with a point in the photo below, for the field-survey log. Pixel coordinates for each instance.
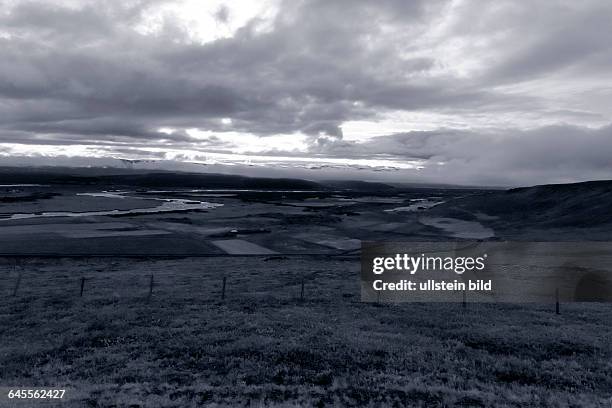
(263, 346)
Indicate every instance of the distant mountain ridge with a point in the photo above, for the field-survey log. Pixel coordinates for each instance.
(189, 179)
(171, 179)
(150, 179)
(358, 185)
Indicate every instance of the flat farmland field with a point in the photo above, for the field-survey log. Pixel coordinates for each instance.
(177, 343)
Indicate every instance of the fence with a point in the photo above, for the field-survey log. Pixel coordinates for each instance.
(221, 278)
(213, 278)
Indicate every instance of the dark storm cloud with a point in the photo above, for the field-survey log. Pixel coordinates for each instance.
(571, 38)
(81, 74)
(304, 75)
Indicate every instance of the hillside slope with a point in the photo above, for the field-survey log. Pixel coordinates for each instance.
(578, 205)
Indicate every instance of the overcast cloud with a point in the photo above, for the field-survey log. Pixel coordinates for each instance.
(471, 92)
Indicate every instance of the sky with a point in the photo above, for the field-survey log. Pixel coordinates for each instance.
(500, 93)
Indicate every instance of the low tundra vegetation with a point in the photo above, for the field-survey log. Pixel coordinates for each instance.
(262, 345)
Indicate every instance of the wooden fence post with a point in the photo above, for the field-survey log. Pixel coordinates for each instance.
(557, 301)
(150, 289)
(223, 288)
(302, 291)
(82, 285)
(16, 288)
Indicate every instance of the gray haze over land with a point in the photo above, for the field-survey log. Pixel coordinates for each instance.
(467, 92)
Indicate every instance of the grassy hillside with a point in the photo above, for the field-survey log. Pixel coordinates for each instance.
(262, 345)
(557, 205)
